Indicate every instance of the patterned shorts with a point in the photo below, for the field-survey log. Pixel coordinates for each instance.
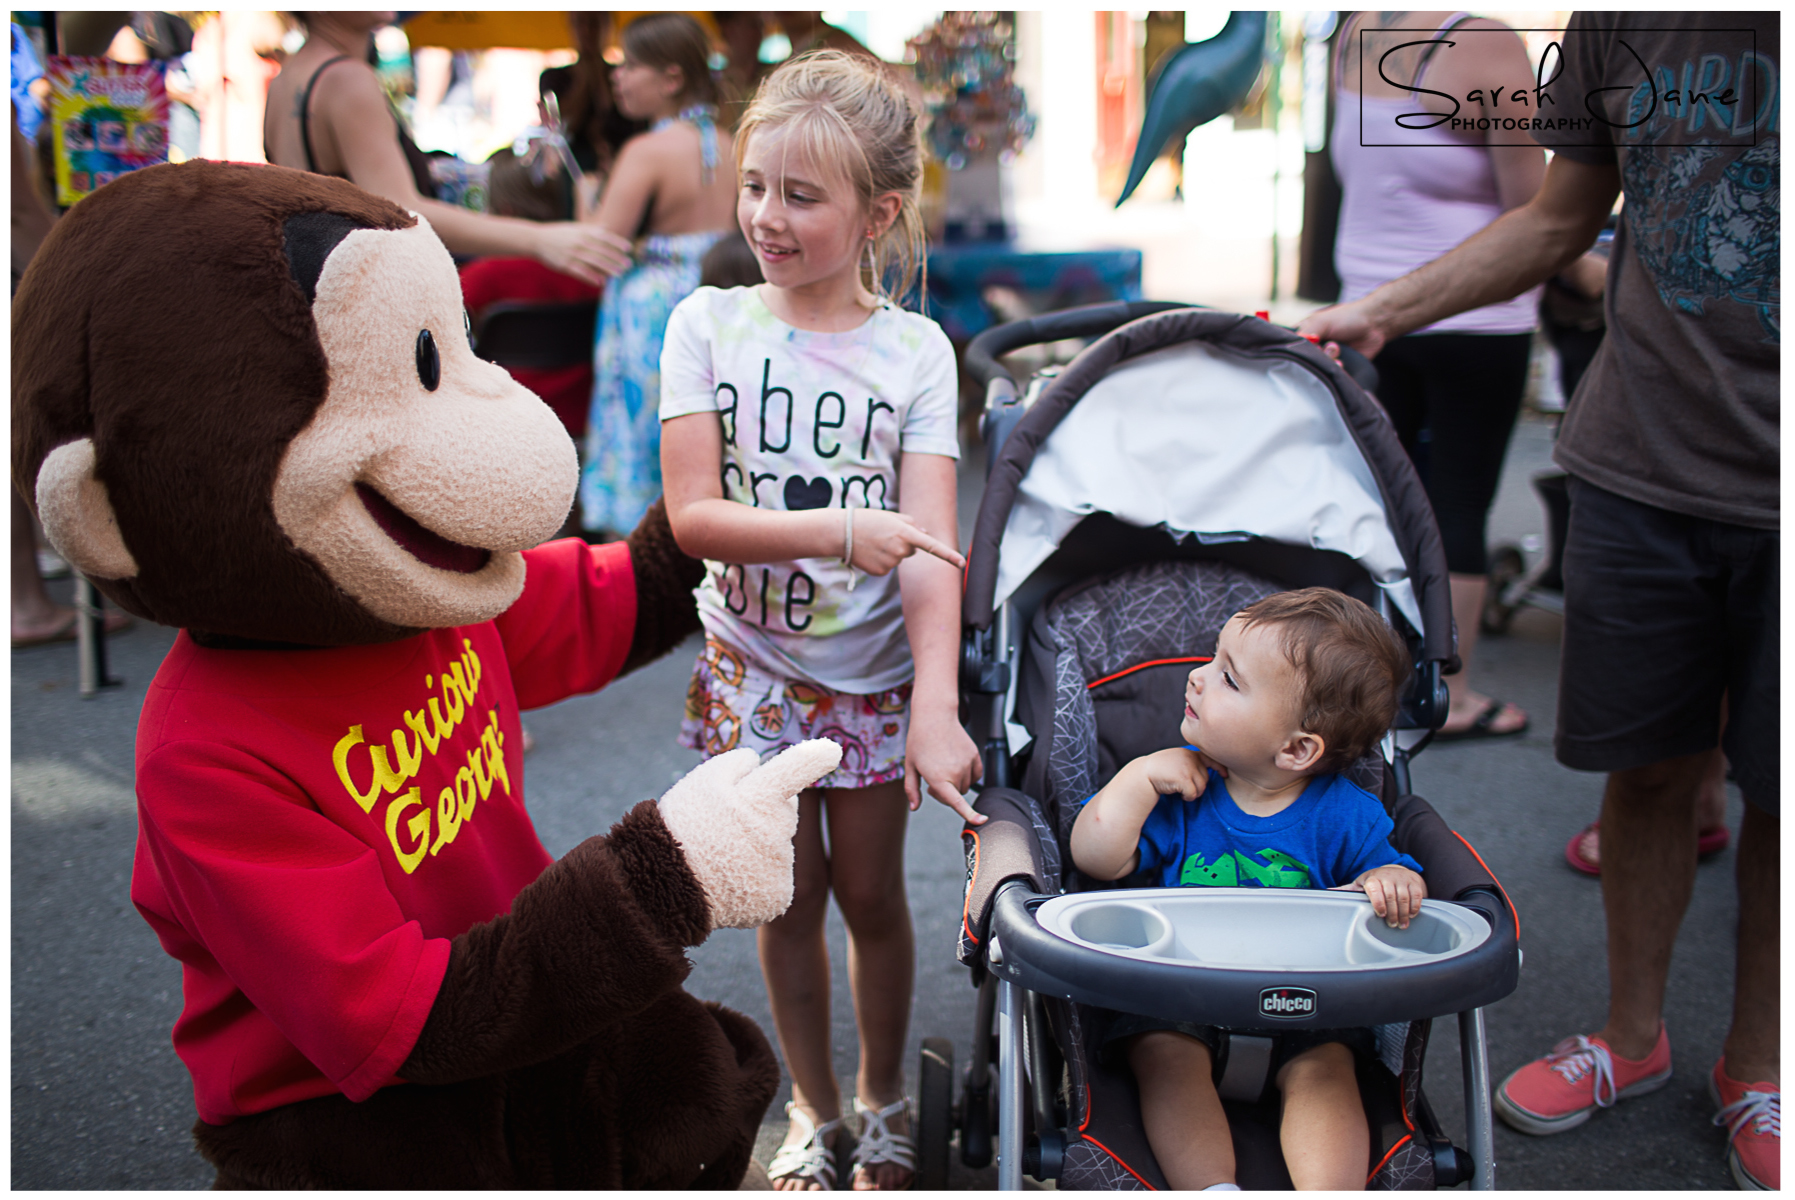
(732, 702)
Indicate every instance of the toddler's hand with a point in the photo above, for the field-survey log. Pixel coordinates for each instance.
(884, 539)
(1395, 892)
(1178, 771)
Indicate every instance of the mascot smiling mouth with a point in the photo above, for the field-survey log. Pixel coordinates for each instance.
(429, 548)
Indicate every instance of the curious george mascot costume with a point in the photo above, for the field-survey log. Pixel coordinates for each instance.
(244, 404)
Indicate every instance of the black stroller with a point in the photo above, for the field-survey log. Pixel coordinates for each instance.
(1185, 464)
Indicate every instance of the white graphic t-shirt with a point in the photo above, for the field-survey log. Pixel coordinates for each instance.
(810, 420)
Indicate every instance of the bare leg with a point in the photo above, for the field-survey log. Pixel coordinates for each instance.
(794, 960)
(1710, 807)
(1753, 1045)
(34, 614)
(866, 842)
(1182, 1114)
(1710, 798)
(1467, 704)
(1326, 1141)
(1648, 875)
(1710, 801)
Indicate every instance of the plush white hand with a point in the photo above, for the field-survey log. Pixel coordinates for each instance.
(734, 817)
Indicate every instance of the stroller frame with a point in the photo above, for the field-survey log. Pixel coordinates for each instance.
(1016, 967)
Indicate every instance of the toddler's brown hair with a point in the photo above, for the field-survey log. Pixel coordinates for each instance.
(511, 191)
(1350, 668)
(730, 263)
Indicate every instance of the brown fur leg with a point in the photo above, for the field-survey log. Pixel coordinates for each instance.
(670, 1098)
(682, 1089)
(403, 1136)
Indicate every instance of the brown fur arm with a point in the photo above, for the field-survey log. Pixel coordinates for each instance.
(666, 614)
(598, 936)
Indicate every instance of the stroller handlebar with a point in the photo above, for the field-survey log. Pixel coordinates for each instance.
(1091, 320)
(1094, 320)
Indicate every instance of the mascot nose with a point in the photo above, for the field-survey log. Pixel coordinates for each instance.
(484, 462)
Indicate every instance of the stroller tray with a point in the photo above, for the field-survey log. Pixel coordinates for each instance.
(1240, 957)
(1259, 929)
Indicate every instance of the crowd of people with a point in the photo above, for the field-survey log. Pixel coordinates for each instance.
(753, 231)
(1671, 643)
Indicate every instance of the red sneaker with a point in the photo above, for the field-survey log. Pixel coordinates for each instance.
(1564, 1089)
(1752, 1115)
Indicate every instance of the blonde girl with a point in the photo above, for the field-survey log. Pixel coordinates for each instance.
(808, 451)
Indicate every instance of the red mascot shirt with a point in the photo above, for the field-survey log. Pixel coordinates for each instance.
(315, 825)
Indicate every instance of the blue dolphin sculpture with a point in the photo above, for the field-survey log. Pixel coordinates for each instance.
(1197, 84)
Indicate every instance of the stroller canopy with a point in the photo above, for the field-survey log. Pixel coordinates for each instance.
(1221, 428)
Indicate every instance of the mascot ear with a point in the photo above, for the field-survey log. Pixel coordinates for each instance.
(77, 514)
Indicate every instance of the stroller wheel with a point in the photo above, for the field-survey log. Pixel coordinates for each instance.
(1506, 568)
(934, 1113)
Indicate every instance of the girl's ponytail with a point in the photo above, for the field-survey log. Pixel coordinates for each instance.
(844, 109)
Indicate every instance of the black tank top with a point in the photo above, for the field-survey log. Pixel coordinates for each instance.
(416, 159)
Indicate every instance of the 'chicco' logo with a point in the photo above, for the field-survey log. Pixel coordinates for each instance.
(1287, 1003)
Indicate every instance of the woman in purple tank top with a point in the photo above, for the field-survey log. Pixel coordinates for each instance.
(1452, 389)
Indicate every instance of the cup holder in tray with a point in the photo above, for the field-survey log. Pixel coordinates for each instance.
(1255, 928)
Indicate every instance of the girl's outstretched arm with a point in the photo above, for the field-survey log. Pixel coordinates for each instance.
(709, 526)
(350, 110)
(939, 754)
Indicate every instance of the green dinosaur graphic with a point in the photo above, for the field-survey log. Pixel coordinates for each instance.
(1284, 871)
(1220, 873)
(1226, 871)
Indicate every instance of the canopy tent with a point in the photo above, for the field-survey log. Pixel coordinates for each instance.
(463, 30)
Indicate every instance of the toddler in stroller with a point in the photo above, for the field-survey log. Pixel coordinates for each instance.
(1185, 465)
(1302, 684)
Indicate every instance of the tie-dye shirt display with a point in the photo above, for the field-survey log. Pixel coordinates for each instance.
(810, 420)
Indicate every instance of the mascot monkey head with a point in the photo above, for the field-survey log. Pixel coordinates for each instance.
(244, 403)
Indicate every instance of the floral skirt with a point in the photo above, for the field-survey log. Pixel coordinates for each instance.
(732, 702)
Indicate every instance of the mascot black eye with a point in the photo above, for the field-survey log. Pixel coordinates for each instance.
(430, 366)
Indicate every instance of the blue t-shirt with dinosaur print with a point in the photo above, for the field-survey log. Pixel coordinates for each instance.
(1329, 836)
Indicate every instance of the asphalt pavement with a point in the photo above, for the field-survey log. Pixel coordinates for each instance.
(99, 1099)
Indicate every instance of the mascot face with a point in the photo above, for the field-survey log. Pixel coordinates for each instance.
(425, 470)
(268, 423)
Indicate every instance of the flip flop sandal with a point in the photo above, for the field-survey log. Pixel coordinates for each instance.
(1710, 843)
(878, 1144)
(807, 1159)
(64, 632)
(1484, 726)
(114, 622)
